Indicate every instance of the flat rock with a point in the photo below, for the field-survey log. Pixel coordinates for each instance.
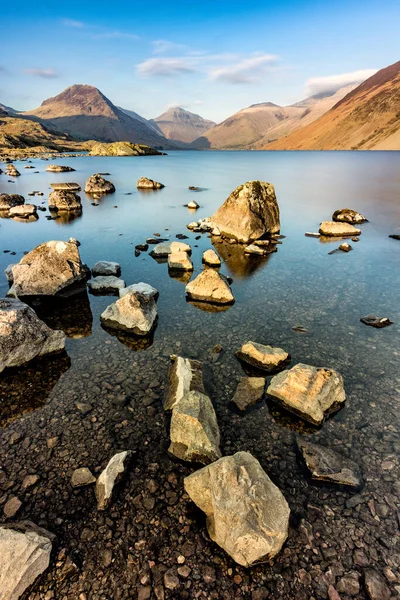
(23, 336)
(8, 201)
(64, 201)
(59, 169)
(179, 261)
(247, 515)
(141, 288)
(106, 267)
(254, 249)
(148, 184)
(96, 184)
(112, 474)
(211, 258)
(334, 229)
(375, 585)
(325, 464)
(210, 287)
(23, 211)
(164, 249)
(70, 186)
(348, 215)
(249, 391)
(307, 391)
(81, 477)
(184, 375)
(263, 357)
(106, 285)
(134, 313)
(374, 321)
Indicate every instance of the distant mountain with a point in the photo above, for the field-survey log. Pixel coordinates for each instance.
(135, 115)
(7, 109)
(180, 124)
(257, 125)
(367, 118)
(85, 113)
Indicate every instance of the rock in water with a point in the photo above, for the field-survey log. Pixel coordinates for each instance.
(249, 212)
(185, 375)
(164, 249)
(194, 429)
(59, 169)
(211, 259)
(148, 184)
(122, 149)
(347, 215)
(49, 269)
(24, 211)
(193, 205)
(377, 322)
(333, 229)
(25, 554)
(142, 288)
(106, 267)
(23, 336)
(106, 285)
(209, 286)
(108, 478)
(134, 313)
(345, 247)
(247, 515)
(310, 392)
(325, 464)
(179, 261)
(63, 201)
(7, 201)
(250, 390)
(96, 184)
(263, 357)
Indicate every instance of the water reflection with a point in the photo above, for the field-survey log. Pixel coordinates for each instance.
(181, 276)
(65, 217)
(133, 342)
(239, 264)
(72, 315)
(208, 307)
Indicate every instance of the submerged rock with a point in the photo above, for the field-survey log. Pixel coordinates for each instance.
(142, 288)
(185, 375)
(179, 261)
(134, 313)
(194, 430)
(211, 259)
(7, 201)
(112, 474)
(96, 184)
(250, 212)
(64, 200)
(23, 336)
(378, 322)
(334, 229)
(59, 169)
(263, 357)
(309, 392)
(106, 267)
(247, 515)
(325, 464)
(164, 249)
(347, 215)
(210, 286)
(249, 391)
(148, 184)
(106, 285)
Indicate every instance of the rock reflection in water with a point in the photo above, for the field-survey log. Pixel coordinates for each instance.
(289, 420)
(239, 264)
(181, 276)
(134, 342)
(25, 389)
(209, 307)
(65, 217)
(72, 314)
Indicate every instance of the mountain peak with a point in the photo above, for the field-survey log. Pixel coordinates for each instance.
(176, 123)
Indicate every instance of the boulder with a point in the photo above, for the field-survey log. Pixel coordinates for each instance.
(51, 268)
(96, 184)
(194, 430)
(105, 267)
(211, 259)
(134, 313)
(106, 285)
(247, 515)
(23, 336)
(8, 201)
(334, 229)
(121, 149)
(142, 288)
(112, 474)
(24, 211)
(374, 321)
(63, 200)
(263, 357)
(164, 249)
(148, 184)
(185, 375)
(310, 392)
(325, 464)
(347, 215)
(250, 212)
(68, 187)
(250, 390)
(81, 477)
(25, 554)
(210, 286)
(179, 261)
(59, 169)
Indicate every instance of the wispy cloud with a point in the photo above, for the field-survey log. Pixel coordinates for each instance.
(247, 70)
(165, 67)
(332, 83)
(44, 73)
(97, 33)
(72, 23)
(164, 46)
(113, 35)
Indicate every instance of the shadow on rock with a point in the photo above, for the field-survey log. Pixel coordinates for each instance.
(72, 315)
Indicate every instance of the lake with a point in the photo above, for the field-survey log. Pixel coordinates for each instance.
(107, 395)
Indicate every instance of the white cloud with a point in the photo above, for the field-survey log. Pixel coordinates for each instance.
(246, 70)
(163, 46)
(332, 83)
(165, 67)
(44, 73)
(72, 23)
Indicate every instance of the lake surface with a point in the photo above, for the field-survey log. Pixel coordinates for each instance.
(300, 284)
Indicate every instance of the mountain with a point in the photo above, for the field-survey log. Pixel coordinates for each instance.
(367, 118)
(257, 125)
(7, 109)
(180, 124)
(85, 113)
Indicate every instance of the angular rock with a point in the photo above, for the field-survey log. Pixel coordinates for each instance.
(375, 585)
(309, 392)
(49, 269)
(249, 391)
(250, 212)
(142, 288)
(179, 261)
(25, 554)
(106, 267)
(148, 184)
(134, 313)
(64, 201)
(164, 249)
(23, 211)
(8, 201)
(378, 322)
(96, 184)
(211, 259)
(11, 507)
(325, 464)
(349, 584)
(81, 477)
(210, 287)
(23, 336)
(112, 474)
(347, 215)
(247, 515)
(263, 357)
(70, 187)
(106, 285)
(334, 229)
(184, 375)
(253, 249)
(194, 430)
(59, 169)
(193, 205)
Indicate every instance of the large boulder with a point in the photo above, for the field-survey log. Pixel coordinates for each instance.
(51, 268)
(110, 476)
(348, 215)
(210, 286)
(325, 464)
(309, 392)
(334, 229)
(194, 431)
(134, 313)
(164, 249)
(59, 169)
(23, 336)
(63, 200)
(266, 358)
(185, 375)
(96, 184)
(121, 149)
(250, 212)
(247, 515)
(148, 184)
(7, 201)
(25, 554)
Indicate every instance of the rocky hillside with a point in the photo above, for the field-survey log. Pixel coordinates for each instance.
(182, 125)
(367, 118)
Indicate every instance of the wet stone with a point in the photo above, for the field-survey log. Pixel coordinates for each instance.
(249, 391)
(325, 464)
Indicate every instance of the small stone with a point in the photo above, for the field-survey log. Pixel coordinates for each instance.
(111, 475)
(105, 267)
(349, 584)
(377, 322)
(171, 581)
(211, 259)
(345, 247)
(184, 572)
(375, 585)
(29, 481)
(11, 507)
(193, 205)
(81, 477)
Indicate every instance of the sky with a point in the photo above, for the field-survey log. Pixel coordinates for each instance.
(210, 57)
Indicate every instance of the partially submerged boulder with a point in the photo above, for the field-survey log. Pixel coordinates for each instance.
(334, 229)
(106, 267)
(134, 313)
(96, 184)
(184, 375)
(23, 211)
(64, 200)
(348, 215)
(164, 249)
(7, 201)
(142, 288)
(309, 392)
(250, 212)
(249, 391)
(262, 356)
(23, 336)
(112, 474)
(148, 184)
(179, 261)
(211, 259)
(104, 285)
(59, 169)
(325, 464)
(247, 515)
(210, 286)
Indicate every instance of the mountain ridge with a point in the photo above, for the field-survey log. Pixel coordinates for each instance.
(176, 123)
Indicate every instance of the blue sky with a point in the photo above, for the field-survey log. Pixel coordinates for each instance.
(211, 57)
